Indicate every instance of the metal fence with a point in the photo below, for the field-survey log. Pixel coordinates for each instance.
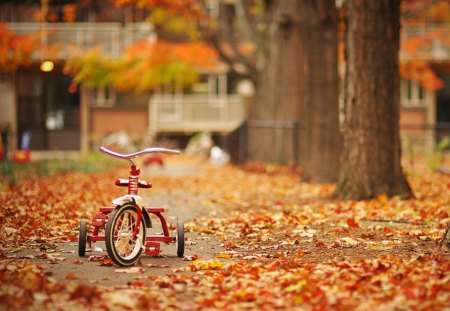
(417, 141)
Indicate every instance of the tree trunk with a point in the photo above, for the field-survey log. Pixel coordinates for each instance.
(299, 83)
(279, 87)
(320, 139)
(372, 151)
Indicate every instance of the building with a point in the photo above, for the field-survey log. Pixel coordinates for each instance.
(425, 113)
(59, 116)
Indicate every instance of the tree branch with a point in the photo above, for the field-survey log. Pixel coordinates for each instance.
(244, 20)
(227, 34)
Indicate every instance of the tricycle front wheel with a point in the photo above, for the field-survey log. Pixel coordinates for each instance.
(122, 244)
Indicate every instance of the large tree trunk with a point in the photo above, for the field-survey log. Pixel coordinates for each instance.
(279, 87)
(320, 140)
(372, 152)
(299, 83)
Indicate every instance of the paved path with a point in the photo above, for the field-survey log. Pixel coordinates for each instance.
(64, 264)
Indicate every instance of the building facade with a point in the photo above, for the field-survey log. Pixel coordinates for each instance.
(58, 115)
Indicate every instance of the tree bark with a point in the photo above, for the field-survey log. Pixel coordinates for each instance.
(279, 87)
(299, 83)
(371, 163)
(320, 139)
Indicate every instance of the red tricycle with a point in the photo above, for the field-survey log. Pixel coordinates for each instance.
(124, 224)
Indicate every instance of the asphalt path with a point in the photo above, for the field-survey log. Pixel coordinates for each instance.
(62, 263)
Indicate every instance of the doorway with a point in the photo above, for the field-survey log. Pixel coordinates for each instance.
(443, 109)
(48, 110)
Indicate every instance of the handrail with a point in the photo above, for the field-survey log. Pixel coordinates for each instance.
(139, 153)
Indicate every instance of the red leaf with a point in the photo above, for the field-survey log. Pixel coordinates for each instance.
(320, 244)
(352, 224)
(71, 276)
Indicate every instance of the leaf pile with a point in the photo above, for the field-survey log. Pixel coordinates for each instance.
(286, 245)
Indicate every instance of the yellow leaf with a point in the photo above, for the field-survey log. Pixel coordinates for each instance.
(296, 287)
(207, 265)
(224, 255)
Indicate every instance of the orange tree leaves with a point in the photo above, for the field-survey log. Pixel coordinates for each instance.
(162, 62)
(15, 50)
(92, 68)
(144, 66)
(422, 72)
(416, 66)
(420, 14)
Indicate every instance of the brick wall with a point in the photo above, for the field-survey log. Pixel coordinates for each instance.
(107, 121)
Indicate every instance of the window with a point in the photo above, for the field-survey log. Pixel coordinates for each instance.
(103, 97)
(412, 94)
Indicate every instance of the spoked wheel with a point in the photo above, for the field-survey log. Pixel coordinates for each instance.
(122, 245)
(180, 238)
(82, 238)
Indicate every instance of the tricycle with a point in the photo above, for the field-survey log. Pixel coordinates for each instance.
(125, 223)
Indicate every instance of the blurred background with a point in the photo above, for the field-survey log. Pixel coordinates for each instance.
(78, 74)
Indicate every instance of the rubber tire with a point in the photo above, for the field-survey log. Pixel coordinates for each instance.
(115, 215)
(82, 238)
(180, 239)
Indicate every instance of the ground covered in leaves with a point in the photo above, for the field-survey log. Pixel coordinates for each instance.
(286, 244)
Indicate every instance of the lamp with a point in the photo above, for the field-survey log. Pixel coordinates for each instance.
(47, 66)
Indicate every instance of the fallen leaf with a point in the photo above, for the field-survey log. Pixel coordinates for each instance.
(190, 258)
(224, 255)
(348, 242)
(352, 223)
(150, 265)
(71, 276)
(130, 270)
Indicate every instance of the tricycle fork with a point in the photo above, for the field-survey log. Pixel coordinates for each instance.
(138, 221)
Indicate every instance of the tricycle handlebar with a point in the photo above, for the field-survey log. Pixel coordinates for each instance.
(139, 153)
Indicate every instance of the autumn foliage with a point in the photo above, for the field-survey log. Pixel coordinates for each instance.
(170, 61)
(284, 245)
(15, 50)
(144, 65)
(418, 48)
(416, 66)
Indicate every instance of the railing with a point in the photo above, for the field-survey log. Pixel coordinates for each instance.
(432, 39)
(196, 113)
(112, 38)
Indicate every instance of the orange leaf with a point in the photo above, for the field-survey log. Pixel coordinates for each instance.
(72, 276)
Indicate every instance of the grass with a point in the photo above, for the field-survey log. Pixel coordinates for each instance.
(11, 173)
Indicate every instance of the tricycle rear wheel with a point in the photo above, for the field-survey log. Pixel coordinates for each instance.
(180, 238)
(82, 238)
